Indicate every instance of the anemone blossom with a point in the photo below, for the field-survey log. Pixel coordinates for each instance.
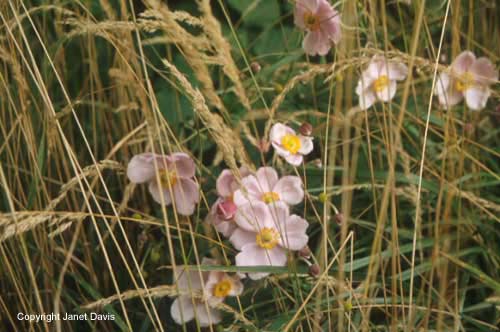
(264, 235)
(378, 81)
(469, 78)
(265, 186)
(321, 22)
(199, 292)
(171, 181)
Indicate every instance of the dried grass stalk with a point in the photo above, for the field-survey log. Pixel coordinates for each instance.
(228, 143)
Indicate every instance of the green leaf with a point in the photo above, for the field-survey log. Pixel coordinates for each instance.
(478, 274)
(257, 12)
(247, 269)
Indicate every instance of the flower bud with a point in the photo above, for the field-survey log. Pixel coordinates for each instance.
(142, 239)
(278, 87)
(339, 218)
(155, 255)
(264, 146)
(348, 306)
(496, 114)
(306, 129)
(469, 128)
(305, 252)
(255, 66)
(323, 197)
(318, 163)
(314, 270)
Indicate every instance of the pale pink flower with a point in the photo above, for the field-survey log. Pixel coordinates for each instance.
(378, 81)
(289, 145)
(199, 292)
(467, 77)
(265, 186)
(222, 212)
(265, 233)
(175, 175)
(321, 22)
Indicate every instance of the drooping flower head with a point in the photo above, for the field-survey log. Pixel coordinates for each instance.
(468, 78)
(175, 174)
(265, 233)
(289, 145)
(222, 212)
(265, 186)
(321, 22)
(199, 292)
(378, 81)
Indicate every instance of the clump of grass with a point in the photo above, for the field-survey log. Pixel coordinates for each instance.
(85, 86)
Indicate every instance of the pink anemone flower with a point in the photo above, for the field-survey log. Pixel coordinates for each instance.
(321, 22)
(265, 233)
(199, 292)
(175, 179)
(289, 145)
(222, 212)
(378, 81)
(265, 186)
(468, 78)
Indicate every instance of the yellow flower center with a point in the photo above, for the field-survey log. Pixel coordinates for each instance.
(270, 197)
(222, 288)
(267, 238)
(168, 178)
(311, 21)
(381, 83)
(291, 143)
(465, 81)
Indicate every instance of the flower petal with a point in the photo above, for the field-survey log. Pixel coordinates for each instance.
(330, 21)
(376, 67)
(306, 145)
(396, 71)
(442, 84)
(253, 255)
(388, 92)
(254, 216)
(463, 62)
(250, 191)
(476, 97)
(294, 159)
(280, 151)
(186, 196)
(267, 178)
(236, 286)
(224, 183)
(316, 43)
(367, 99)
(226, 228)
(182, 310)
(445, 90)
(154, 190)
(226, 209)
(365, 82)
(279, 213)
(305, 6)
(278, 130)
(241, 237)
(188, 281)
(141, 169)
(484, 71)
(183, 164)
(206, 315)
(294, 235)
(289, 188)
